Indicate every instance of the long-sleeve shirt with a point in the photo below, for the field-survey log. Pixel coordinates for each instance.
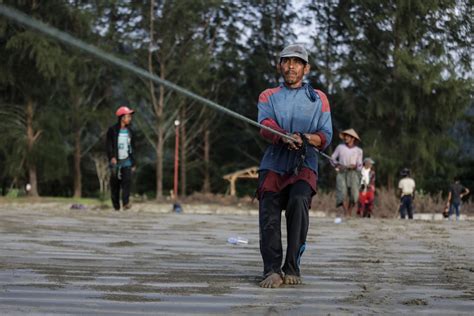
(292, 111)
(346, 156)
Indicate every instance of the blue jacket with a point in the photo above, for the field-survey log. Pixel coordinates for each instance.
(301, 110)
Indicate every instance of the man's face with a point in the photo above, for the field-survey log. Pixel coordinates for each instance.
(293, 70)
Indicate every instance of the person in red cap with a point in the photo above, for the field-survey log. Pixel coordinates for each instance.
(120, 148)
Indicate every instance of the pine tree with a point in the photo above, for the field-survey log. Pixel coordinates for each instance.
(32, 68)
(404, 89)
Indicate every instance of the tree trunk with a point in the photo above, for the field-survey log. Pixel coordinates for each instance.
(31, 137)
(159, 164)
(33, 180)
(183, 153)
(157, 106)
(160, 139)
(328, 72)
(77, 164)
(206, 186)
(102, 169)
(389, 182)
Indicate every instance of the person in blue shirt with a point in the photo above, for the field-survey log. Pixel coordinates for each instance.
(120, 148)
(289, 169)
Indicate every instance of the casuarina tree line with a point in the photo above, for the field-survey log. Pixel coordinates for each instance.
(399, 72)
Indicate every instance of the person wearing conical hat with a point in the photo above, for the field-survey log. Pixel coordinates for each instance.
(347, 159)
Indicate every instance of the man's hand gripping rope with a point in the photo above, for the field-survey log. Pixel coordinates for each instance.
(296, 141)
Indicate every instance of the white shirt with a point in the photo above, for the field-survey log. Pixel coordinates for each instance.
(347, 156)
(365, 179)
(407, 185)
(123, 144)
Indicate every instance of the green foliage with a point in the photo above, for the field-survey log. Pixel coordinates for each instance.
(397, 71)
(27, 48)
(403, 91)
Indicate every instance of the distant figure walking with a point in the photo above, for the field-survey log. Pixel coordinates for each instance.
(456, 192)
(406, 188)
(348, 162)
(120, 148)
(367, 189)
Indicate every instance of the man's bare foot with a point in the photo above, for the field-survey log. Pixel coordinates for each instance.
(292, 279)
(274, 280)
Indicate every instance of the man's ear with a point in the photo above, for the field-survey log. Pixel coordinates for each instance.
(278, 67)
(307, 68)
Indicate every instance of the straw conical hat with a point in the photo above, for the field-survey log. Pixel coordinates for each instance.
(349, 132)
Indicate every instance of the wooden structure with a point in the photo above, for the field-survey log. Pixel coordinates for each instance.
(249, 173)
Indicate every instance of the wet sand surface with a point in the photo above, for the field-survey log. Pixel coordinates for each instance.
(60, 261)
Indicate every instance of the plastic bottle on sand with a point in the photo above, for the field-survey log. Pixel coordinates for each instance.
(237, 240)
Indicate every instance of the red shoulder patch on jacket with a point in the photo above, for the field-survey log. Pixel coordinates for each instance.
(324, 99)
(267, 93)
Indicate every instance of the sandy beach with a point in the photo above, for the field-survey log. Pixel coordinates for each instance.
(55, 260)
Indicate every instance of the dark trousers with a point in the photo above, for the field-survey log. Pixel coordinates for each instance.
(406, 206)
(365, 209)
(295, 199)
(120, 179)
(455, 207)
